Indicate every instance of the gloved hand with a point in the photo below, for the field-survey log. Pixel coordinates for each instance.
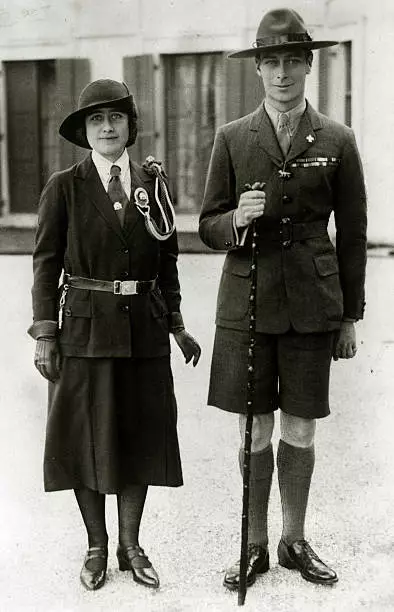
(47, 358)
(188, 345)
(345, 344)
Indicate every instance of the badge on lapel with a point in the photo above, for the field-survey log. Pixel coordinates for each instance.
(141, 198)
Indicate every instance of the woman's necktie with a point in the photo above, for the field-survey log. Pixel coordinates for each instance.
(117, 194)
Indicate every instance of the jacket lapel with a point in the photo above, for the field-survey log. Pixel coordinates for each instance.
(95, 192)
(305, 136)
(265, 133)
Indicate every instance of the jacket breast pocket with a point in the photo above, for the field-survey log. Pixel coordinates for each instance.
(234, 289)
(77, 316)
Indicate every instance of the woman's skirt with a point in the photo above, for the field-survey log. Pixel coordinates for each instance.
(112, 422)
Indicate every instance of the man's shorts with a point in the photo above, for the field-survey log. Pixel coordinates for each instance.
(291, 372)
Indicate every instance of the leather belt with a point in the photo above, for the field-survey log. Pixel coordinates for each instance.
(117, 287)
(286, 232)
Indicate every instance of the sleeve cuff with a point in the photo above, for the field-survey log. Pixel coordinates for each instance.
(42, 329)
(240, 236)
(176, 322)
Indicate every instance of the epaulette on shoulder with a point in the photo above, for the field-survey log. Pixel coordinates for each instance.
(153, 166)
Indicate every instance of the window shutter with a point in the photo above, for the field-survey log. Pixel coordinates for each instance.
(323, 80)
(233, 93)
(244, 88)
(22, 91)
(71, 77)
(253, 86)
(139, 76)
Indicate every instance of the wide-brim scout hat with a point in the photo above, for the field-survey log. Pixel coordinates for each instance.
(99, 94)
(282, 29)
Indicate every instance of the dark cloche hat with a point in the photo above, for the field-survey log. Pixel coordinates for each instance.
(99, 94)
(282, 29)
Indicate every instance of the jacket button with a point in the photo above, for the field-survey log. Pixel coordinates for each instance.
(125, 274)
(124, 307)
(67, 312)
(227, 243)
(126, 251)
(286, 199)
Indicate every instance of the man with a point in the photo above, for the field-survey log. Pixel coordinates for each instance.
(288, 168)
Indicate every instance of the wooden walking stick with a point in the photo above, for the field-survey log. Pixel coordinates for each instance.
(249, 412)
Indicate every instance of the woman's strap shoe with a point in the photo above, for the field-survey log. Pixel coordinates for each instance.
(133, 558)
(94, 568)
(299, 555)
(258, 563)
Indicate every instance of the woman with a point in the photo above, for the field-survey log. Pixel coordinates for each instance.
(103, 336)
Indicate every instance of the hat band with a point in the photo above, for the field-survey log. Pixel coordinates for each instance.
(280, 39)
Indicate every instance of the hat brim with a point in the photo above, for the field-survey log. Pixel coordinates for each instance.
(253, 51)
(72, 128)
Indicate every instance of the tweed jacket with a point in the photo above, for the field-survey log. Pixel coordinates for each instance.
(306, 283)
(79, 233)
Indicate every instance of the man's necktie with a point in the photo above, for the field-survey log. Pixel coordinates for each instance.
(117, 194)
(283, 133)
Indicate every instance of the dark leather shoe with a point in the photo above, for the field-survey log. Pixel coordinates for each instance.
(299, 555)
(258, 563)
(133, 558)
(94, 568)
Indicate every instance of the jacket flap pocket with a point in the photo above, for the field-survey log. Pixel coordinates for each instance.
(326, 264)
(159, 306)
(236, 265)
(78, 309)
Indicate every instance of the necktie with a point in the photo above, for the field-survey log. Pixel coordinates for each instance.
(117, 194)
(283, 133)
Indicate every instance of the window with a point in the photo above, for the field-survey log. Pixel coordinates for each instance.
(182, 100)
(194, 93)
(335, 82)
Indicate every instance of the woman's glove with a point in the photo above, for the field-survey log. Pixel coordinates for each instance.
(47, 358)
(188, 345)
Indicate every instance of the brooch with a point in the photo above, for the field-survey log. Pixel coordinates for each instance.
(285, 175)
(141, 198)
(310, 138)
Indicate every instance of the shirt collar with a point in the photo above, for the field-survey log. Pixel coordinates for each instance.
(103, 165)
(294, 114)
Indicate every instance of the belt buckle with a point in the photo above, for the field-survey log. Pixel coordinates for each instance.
(286, 231)
(128, 287)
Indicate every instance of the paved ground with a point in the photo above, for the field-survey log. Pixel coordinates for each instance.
(192, 533)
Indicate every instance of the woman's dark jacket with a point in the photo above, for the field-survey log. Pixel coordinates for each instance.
(79, 232)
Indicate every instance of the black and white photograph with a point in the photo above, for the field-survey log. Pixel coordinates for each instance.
(197, 270)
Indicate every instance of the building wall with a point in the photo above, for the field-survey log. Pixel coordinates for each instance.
(105, 33)
(371, 26)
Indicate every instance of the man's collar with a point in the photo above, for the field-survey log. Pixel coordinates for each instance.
(294, 114)
(103, 165)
